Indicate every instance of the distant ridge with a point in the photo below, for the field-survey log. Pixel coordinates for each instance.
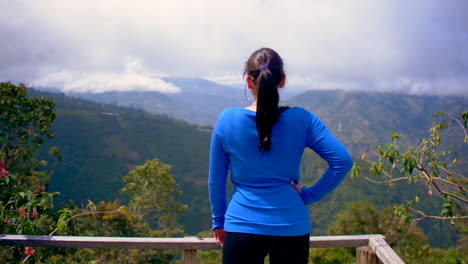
(357, 117)
(199, 101)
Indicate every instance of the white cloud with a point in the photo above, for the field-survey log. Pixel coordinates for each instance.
(320, 83)
(98, 82)
(356, 44)
(441, 86)
(227, 79)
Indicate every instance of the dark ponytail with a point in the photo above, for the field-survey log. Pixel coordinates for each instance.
(265, 67)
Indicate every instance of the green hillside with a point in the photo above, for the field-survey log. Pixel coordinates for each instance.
(359, 117)
(99, 144)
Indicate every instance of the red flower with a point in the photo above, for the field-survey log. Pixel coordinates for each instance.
(23, 213)
(34, 213)
(5, 220)
(429, 192)
(29, 251)
(3, 172)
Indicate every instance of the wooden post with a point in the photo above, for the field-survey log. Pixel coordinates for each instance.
(365, 255)
(384, 252)
(190, 256)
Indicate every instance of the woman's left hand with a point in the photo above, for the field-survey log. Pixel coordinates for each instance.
(297, 186)
(219, 236)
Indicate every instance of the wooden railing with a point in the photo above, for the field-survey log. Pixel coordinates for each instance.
(370, 248)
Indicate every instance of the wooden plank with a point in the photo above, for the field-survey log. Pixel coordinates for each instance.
(384, 252)
(163, 243)
(190, 256)
(190, 244)
(109, 242)
(341, 241)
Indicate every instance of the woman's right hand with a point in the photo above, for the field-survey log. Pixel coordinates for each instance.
(219, 236)
(297, 186)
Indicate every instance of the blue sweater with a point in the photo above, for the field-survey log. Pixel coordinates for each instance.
(263, 200)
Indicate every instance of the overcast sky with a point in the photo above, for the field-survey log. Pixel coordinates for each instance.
(414, 46)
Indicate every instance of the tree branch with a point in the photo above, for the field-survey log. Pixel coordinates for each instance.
(451, 183)
(26, 258)
(460, 123)
(86, 213)
(435, 217)
(424, 172)
(455, 173)
(380, 182)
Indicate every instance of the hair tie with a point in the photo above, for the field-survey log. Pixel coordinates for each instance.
(264, 66)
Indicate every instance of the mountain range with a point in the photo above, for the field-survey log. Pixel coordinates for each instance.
(101, 142)
(359, 119)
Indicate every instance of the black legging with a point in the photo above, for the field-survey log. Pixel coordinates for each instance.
(241, 248)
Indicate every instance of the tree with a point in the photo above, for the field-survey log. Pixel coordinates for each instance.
(408, 241)
(24, 124)
(436, 164)
(356, 219)
(25, 208)
(152, 192)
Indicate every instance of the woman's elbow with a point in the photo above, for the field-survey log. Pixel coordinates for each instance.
(347, 163)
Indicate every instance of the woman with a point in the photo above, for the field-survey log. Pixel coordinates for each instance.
(262, 146)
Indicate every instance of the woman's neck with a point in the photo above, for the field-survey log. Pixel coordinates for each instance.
(252, 107)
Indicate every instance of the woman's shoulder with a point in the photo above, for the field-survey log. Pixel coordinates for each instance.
(297, 111)
(236, 111)
(301, 115)
(230, 114)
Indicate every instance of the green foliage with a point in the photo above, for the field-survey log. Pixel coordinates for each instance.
(24, 124)
(427, 164)
(408, 241)
(152, 189)
(104, 219)
(209, 256)
(331, 256)
(24, 206)
(324, 212)
(358, 218)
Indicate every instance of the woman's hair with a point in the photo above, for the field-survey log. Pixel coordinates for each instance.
(265, 68)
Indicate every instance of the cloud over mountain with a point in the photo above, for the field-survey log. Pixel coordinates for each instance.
(410, 46)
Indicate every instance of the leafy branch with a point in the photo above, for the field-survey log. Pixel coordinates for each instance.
(432, 163)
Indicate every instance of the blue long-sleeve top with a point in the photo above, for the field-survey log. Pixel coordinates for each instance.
(263, 200)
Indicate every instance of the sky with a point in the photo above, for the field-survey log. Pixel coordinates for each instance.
(408, 46)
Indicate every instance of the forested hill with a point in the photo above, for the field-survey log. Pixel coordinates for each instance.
(359, 117)
(100, 143)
